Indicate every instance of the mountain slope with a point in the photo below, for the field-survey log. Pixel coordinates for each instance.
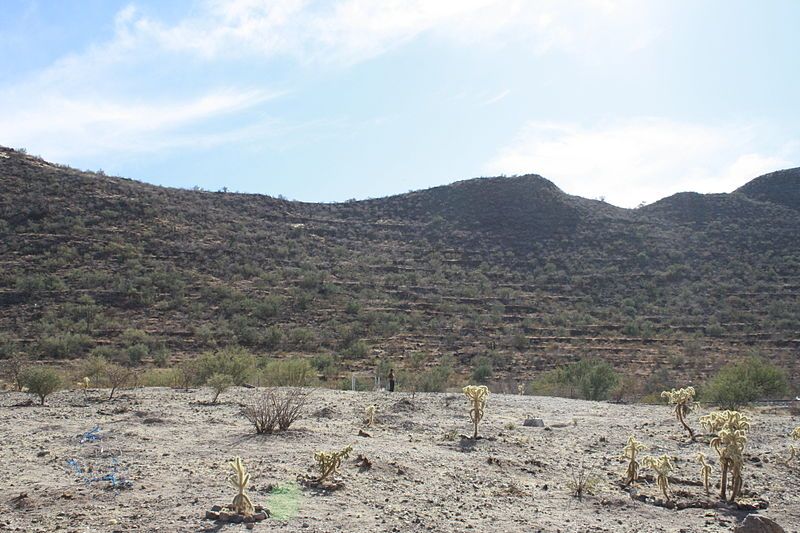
(512, 270)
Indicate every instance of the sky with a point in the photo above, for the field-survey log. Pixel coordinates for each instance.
(326, 101)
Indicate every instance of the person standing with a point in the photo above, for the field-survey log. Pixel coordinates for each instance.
(391, 380)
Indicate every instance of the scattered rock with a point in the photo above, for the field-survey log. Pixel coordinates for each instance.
(533, 423)
(758, 524)
(362, 433)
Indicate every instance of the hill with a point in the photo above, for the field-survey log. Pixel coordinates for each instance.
(512, 271)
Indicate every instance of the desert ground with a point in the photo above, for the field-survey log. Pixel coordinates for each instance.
(169, 450)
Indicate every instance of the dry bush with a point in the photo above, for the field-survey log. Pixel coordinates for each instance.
(275, 409)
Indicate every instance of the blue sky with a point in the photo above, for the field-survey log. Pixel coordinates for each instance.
(326, 101)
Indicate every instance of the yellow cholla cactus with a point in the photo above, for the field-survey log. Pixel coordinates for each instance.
(731, 428)
(477, 394)
(328, 463)
(683, 400)
(795, 435)
(629, 452)
(370, 412)
(242, 503)
(663, 467)
(705, 470)
(84, 384)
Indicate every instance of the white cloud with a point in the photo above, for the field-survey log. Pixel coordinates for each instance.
(351, 31)
(643, 159)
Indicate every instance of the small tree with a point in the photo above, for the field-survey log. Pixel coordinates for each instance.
(219, 383)
(41, 381)
(117, 377)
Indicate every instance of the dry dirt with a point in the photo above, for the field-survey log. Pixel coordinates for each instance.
(173, 449)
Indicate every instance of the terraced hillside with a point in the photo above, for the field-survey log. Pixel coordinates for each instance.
(512, 270)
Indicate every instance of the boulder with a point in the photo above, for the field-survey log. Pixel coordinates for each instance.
(758, 524)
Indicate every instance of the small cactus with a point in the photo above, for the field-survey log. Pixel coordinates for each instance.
(683, 400)
(795, 435)
(705, 470)
(369, 411)
(477, 394)
(242, 503)
(663, 467)
(629, 452)
(328, 463)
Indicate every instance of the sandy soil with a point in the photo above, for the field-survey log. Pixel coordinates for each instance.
(173, 448)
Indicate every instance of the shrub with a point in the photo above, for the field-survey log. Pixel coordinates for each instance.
(65, 345)
(219, 383)
(16, 366)
(295, 372)
(7, 347)
(117, 376)
(94, 367)
(41, 381)
(683, 400)
(136, 352)
(738, 384)
(233, 361)
(477, 396)
(482, 371)
(274, 410)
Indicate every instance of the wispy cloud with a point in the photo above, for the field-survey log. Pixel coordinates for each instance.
(642, 159)
(496, 98)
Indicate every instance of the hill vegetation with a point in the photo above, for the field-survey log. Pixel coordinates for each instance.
(511, 275)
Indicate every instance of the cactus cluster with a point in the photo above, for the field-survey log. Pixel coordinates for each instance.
(731, 436)
(477, 395)
(662, 465)
(683, 400)
(629, 453)
(242, 503)
(328, 463)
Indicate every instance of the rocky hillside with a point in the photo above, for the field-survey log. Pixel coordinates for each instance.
(509, 270)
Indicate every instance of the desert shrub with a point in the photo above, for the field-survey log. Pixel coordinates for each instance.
(7, 346)
(41, 381)
(360, 384)
(593, 379)
(93, 367)
(15, 366)
(272, 338)
(236, 362)
(325, 364)
(117, 377)
(482, 371)
(738, 384)
(219, 383)
(136, 353)
(358, 349)
(295, 372)
(275, 410)
(64, 345)
(302, 338)
(161, 377)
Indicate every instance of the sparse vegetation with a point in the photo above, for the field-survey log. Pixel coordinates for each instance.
(477, 396)
(328, 463)
(240, 479)
(738, 384)
(275, 410)
(219, 383)
(662, 465)
(683, 400)
(41, 381)
(731, 435)
(629, 453)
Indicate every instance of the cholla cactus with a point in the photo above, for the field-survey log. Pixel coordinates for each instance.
(242, 503)
(663, 467)
(731, 428)
(328, 462)
(629, 452)
(370, 412)
(84, 385)
(795, 435)
(477, 394)
(683, 400)
(705, 470)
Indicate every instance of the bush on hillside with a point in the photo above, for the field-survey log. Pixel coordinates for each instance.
(738, 384)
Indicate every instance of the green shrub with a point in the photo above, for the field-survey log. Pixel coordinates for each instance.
(593, 379)
(219, 383)
(482, 371)
(65, 345)
(738, 384)
(236, 362)
(41, 381)
(295, 372)
(136, 353)
(160, 377)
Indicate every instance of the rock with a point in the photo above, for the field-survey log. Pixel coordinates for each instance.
(212, 515)
(758, 524)
(262, 515)
(362, 433)
(533, 423)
